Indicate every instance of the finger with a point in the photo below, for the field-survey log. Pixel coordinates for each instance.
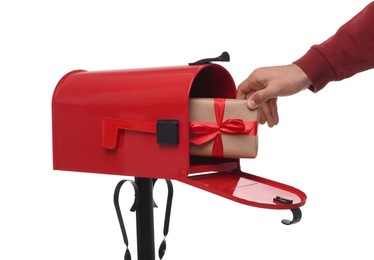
(274, 110)
(252, 83)
(240, 94)
(243, 89)
(262, 119)
(259, 98)
(249, 94)
(267, 114)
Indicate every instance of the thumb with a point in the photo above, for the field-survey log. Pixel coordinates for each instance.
(257, 98)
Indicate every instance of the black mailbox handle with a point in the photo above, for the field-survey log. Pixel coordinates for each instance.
(225, 56)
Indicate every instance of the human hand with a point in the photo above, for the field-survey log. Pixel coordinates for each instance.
(265, 85)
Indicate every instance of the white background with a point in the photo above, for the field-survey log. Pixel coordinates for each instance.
(323, 144)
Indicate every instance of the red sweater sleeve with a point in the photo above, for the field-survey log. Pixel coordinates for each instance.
(349, 51)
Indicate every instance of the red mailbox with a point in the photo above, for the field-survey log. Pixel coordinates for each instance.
(135, 122)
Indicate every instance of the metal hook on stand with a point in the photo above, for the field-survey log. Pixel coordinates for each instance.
(162, 248)
(119, 214)
(296, 213)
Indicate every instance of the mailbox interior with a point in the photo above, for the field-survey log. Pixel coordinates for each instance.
(212, 82)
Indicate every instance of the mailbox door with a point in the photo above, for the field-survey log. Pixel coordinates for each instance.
(248, 189)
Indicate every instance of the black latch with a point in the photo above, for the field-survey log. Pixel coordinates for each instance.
(167, 131)
(283, 200)
(225, 56)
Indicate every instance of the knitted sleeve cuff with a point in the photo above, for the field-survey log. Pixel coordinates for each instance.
(317, 67)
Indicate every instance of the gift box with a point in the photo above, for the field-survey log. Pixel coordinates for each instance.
(222, 128)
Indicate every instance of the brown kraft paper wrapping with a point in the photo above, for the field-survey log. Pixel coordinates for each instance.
(234, 145)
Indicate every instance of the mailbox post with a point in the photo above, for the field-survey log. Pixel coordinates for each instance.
(144, 220)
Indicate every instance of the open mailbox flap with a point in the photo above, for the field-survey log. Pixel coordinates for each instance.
(230, 182)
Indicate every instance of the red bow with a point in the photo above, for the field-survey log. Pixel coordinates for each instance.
(208, 131)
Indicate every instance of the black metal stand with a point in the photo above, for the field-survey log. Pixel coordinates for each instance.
(144, 220)
(143, 205)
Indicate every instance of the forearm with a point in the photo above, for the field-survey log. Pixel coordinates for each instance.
(349, 51)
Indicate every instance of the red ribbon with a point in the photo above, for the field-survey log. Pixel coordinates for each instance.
(204, 132)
